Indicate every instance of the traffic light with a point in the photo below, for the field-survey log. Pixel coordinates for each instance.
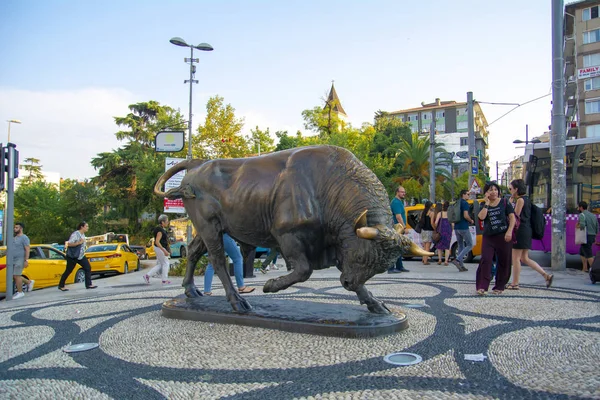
(2, 166)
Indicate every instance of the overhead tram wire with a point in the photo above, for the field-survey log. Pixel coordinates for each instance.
(511, 104)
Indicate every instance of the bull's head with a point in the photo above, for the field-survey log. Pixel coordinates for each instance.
(382, 248)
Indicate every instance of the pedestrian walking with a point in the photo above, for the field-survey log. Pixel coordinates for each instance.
(399, 217)
(426, 229)
(21, 260)
(444, 228)
(523, 236)
(75, 249)
(232, 250)
(589, 222)
(498, 219)
(162, 250)
(462, 232)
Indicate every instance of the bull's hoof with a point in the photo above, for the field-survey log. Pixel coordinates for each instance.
(271, 286)
(241, 306)
(378, 307)
(192, 291)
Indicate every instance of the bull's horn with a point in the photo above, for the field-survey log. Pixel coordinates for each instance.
(399, 229)
(417, 250)
(361, 221)
(367, 233)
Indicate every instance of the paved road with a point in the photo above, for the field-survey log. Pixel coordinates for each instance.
(539, 343)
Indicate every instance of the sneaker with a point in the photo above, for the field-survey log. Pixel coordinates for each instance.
(166, 282)
(147, 278)
(18, 295)
(30, 285)
(274, 266)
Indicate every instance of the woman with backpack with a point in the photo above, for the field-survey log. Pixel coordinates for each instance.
(522, 236)
(426, 229)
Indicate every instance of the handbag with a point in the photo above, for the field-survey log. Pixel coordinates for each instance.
(515, 229)
(581, 236)
(436, 236)
(419, 226)
(73, 252)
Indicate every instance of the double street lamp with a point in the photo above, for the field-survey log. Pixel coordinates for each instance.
(177, 41)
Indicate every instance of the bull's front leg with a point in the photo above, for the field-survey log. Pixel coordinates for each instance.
(218, 260)
(196, 250)
(373, 303)
(295, 259)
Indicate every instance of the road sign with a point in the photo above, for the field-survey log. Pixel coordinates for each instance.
(474, 165)
(173, 206)
(475, 188)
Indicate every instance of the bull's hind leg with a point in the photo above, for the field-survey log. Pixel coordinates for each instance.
(295, 257)
(196, 250)
(373, 303)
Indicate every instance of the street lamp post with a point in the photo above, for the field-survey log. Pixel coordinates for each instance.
(177, 41)
(4, 231)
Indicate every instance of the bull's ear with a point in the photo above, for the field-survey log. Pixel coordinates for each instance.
(367, 233)
(361, 221)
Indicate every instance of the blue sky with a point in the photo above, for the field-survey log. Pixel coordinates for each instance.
(68, 67)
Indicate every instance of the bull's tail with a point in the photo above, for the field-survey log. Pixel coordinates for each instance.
(182, 166)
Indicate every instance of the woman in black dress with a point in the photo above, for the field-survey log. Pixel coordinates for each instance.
(522, 244)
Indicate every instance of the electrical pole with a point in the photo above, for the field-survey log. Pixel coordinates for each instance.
(12, 158)
(498, 174)
(471, 140)
(558, 141)
(432, 158)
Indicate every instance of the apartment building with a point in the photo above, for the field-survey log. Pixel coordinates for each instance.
(451, 124)
(582, 69)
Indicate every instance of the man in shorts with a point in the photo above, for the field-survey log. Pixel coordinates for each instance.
(21, 260)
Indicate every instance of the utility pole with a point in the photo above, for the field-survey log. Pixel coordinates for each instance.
(432, 158)
(11, 168)
(471, 141)
(497, 174)
(558, 141)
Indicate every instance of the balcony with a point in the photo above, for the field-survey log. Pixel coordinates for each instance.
(571, 87)
(571, 107)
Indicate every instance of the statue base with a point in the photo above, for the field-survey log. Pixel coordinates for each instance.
(299, 316)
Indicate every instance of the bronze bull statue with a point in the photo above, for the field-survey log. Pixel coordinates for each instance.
(320, 205)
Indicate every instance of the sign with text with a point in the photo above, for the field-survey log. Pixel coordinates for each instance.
(169, 141)
(173, 206)
(474, 165)
(589, 72)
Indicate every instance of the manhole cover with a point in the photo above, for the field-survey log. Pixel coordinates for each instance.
(75, 348)
(402, 359)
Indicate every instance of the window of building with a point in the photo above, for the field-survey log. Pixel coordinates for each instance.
(440, 128)
(439, 114)
(591, 60)
(592, 84)
(413, 117)
(591, 36)
(462, 125)
(592, 131)
(426, 116)
(590, 13)
(592, 106)
(464, 141)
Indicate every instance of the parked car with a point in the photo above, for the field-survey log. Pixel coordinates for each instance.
(140, 251)
(46, 266)
(178, 249)
(113, 257)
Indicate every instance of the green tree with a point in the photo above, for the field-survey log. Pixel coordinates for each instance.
(260, 138)
(126, 176)
(288, 142)
(33, 170)
(391, 134)
(221, 134)
(80, 201)
(37, 205)
(323, 120)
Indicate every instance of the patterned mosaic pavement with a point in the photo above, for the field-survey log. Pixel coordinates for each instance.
(539, 343)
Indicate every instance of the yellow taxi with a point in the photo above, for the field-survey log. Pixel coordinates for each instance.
(112, 257)
(150, 249)
(46, 266)
(413, 215)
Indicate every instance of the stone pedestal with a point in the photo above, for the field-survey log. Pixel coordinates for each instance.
(300, 316)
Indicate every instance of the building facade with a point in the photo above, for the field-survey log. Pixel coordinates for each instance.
(582, 69)
(451, 127)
